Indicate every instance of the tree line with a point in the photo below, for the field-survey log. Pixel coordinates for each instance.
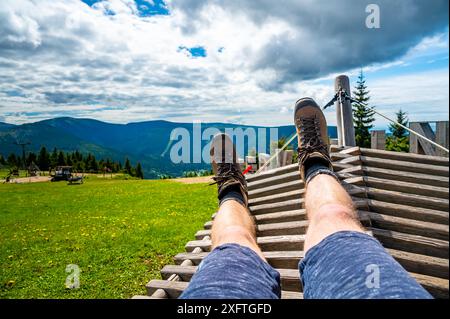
(81, 163)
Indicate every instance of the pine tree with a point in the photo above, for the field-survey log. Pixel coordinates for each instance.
(31, 158)
(12, 160)
(2, 160)
(43, 160)
(139, 173)
(399, 141)
(363, 117)
(127, 166)
(54, 158)
(61, 159)
(396, 130)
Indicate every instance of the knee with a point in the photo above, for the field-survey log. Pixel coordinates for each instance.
(334, 212)
(233, 234)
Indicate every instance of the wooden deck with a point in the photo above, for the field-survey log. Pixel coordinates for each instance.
(402, 199)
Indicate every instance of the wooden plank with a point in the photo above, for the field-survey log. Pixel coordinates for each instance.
(405, 157)
(286, 216)
(297, 215)
(418, 145)
(267, 243)
(293, 204)
(412, 243)
(421, 264)
(172, 288)
(276, 189)
(417, 263)
(404, 166)
(274, 180)
(291, 295)
(404, 187)
(290, 279)
(437, 287)
(410, 212)
(409, 226)
(276, 198)
(378, 139)
(407, 199)
(185, 272)
(442, 137)
(287, 228)
(272, 173)
(425, 179)
(278, 259)
(196, 258)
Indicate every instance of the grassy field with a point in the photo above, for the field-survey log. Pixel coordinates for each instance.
(118, 232)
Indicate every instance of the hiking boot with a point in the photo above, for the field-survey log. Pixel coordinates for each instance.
(312, 134)
(224, 161)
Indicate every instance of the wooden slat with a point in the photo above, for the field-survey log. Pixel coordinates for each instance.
(185, 272)
(285, 216)
(411, 212)
(406, 157)
(278, 259)
(396, 175)
(267, 243)
(405, 167)
(406, 187)
(408, 199)
(409, 226)
(293, 204)
(276, 189)
(284, 228)
(291, 295)
(290, 279)
(420, 264)
(275, 180)
(172, 288)
(272, 173)
(437, 287)
(276, 198)
(412, 243)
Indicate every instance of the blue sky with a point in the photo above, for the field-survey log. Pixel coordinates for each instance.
(229, 61)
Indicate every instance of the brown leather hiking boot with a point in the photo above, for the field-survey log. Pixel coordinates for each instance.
(312, 134)
(224, 161)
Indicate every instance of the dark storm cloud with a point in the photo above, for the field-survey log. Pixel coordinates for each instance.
(330, 35)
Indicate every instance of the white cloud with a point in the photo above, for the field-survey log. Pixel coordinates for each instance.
(63, 58)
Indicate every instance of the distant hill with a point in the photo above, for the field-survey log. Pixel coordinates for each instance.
(146, 142)
(5, 126)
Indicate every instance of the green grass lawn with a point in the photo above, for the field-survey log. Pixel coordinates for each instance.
(120, 233)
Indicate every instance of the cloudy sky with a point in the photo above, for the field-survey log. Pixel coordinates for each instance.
(219, 60)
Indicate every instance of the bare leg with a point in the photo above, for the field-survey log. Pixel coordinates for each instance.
(329, 209)
(233, 224)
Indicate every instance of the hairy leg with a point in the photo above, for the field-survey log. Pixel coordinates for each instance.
(233, 224)
(329, 209)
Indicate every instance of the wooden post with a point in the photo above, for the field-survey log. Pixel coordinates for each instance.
(442, 137)
(344, 114)
(378, 139)
(417, 145)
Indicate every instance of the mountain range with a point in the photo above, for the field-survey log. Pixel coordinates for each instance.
(145, 142)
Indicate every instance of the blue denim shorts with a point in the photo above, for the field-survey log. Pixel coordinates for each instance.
(345, 265)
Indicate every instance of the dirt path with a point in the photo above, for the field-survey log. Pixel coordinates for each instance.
(23, 180)
(194, 180)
